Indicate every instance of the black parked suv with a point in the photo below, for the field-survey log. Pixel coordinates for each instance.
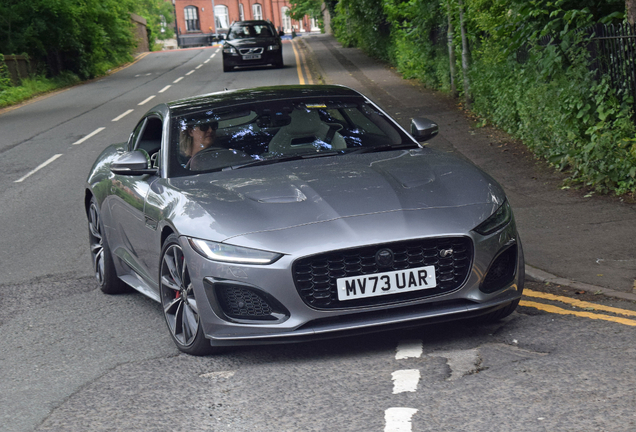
(251, 43)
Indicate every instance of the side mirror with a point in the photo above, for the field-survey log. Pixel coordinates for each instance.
(281, 33)
(135, 162)
(423, 129)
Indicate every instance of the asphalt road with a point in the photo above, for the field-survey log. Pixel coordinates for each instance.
(74, 359)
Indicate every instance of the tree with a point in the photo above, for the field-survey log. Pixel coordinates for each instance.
(85, 37)
(630, 8)
(300, 8)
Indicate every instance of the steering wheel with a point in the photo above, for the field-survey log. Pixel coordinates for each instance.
(215, 157)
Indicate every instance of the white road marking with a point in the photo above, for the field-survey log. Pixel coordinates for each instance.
(165, 88)
(191, 72)
(177, 80)
(212, 56)
(206, 61)
(405, 380)
(398, 419)
(198, 66)
(146, 100)
(121, 116)
(409, 348)
(90, 135)
(39, 167)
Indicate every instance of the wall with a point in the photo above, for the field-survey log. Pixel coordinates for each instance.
(141, 35)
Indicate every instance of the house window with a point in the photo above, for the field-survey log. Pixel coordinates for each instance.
(221, 17)
(163, 23)
(191, 18)
(287, 26)
(257, 11)
(241, 12)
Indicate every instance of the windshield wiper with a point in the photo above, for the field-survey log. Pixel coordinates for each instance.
(282, 159)
(387, 147)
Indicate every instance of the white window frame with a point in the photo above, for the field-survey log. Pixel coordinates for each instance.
(257, 11)
(191, 17)
(241, 12)
(221, 17)
(287, 24)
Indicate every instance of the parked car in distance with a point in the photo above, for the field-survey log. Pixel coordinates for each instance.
(252, 43)
(289, 213)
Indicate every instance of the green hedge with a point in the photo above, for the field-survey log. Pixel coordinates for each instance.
(549, 98)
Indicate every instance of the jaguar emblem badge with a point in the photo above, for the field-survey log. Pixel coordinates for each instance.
(384, 258)
(444, 253)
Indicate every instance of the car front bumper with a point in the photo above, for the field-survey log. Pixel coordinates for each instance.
(293, 320)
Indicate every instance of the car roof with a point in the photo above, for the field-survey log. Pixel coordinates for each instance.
(258, 94)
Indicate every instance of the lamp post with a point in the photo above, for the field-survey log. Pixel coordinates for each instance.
(213, 18)
(176, 24)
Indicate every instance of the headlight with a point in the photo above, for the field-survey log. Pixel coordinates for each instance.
(232, 254)
(229, 49)
(273, 47)
(498, 220)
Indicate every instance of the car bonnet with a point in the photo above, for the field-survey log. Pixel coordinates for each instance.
(387, 188)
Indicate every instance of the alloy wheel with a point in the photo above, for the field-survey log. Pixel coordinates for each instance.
(177, 297)
(96, 240)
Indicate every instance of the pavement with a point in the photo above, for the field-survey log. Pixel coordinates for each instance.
(571, 237)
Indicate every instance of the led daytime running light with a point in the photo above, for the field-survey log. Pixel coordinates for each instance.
(232, 254)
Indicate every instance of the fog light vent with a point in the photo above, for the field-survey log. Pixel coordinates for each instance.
(501, 271)
(240, 302)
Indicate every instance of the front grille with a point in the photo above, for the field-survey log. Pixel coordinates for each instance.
(240, 302)
(315, 276)
(245, 51)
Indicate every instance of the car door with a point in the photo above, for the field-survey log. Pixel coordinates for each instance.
(129, 194)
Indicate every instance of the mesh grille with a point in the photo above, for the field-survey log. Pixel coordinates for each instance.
(315, 276)
(502, 271)
(239, 302)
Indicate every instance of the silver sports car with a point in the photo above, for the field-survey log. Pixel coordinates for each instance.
(280, 214)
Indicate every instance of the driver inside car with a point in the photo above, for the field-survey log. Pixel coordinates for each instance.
(195, 138)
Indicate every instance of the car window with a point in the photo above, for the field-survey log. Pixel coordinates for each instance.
(223, 138)
(250, 31)
(134, 136)
(150, 139)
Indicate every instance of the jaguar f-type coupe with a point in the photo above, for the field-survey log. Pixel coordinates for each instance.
(281, 214)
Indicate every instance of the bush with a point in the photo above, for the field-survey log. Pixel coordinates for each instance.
(530, 73)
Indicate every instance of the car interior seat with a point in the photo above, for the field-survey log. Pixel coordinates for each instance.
(306, 132)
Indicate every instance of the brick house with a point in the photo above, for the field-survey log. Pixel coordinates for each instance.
(215, 16)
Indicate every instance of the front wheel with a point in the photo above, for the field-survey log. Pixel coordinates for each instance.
(227, 68)
(279, 63)
(178, 301)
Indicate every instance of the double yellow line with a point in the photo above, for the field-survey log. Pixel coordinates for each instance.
(301, 64)
(586, 306)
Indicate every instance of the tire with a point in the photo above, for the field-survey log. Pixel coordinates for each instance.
(499, 314)
(178, 301)
(101, 257)
(279, 63)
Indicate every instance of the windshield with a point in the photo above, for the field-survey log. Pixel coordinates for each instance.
(250, 31)
(229, 138)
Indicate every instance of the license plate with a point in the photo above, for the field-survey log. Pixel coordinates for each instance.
(379, 284)
(252, 57)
